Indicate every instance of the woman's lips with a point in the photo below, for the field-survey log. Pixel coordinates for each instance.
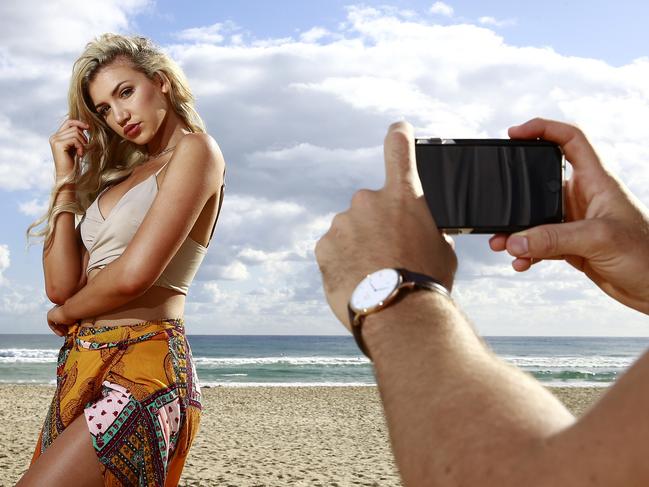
(132, 131)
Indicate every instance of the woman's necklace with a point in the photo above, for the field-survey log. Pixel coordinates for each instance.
(155, 156)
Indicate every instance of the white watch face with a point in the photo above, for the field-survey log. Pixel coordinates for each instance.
(374, 289)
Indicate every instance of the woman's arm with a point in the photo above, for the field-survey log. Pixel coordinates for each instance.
(193, 173)
(62, 257)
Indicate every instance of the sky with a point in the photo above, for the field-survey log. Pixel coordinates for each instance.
(299, 96)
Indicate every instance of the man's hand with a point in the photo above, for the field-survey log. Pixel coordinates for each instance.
(606, 234)
(391, 227)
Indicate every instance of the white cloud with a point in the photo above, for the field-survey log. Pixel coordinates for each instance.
(39, 42)
(33, 207)
(25, 157)
(247, 219)
(211, 288)
(521, 306)
(21, 302)
(235, 271)
(5, 262)
(211, 34)
(32, 29)
(18, 300)
(277, 303)
(488, 20)
(301, 123)
(314, 35)
(441, 8)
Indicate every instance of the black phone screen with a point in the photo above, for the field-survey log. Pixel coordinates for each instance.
(491, 185)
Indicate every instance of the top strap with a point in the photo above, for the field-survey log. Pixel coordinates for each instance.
(162, 167)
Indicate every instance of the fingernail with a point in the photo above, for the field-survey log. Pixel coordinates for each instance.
(518, 244)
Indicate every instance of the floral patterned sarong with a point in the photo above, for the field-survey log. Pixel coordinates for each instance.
(137, 387)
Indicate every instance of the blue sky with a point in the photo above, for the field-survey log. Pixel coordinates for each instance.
(612, 31)
(298, 95)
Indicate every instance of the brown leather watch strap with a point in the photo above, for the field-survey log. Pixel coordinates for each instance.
(356, 331)
(422, 281)
(418, 281)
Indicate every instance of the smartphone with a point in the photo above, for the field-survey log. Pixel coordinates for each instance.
(491, 185)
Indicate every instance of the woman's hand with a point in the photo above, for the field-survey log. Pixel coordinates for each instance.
(606, 229)
(58, 322)
(68, 141)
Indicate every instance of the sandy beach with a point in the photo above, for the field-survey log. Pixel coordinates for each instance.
(258, 436)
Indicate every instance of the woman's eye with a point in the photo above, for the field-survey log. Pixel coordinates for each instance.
(126, 92)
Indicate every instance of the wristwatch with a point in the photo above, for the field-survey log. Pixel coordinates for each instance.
(382, 288)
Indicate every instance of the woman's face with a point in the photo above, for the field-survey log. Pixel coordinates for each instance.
(130, 103)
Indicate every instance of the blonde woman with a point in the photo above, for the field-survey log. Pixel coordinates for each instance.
(133, 161)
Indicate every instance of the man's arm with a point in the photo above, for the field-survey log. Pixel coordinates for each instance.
(457, 414)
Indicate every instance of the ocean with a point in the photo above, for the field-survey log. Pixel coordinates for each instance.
(226, 360)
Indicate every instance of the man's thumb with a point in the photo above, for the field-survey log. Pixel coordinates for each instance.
(400, 162)
(548, 241)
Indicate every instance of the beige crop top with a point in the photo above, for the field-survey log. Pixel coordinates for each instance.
(107, 238)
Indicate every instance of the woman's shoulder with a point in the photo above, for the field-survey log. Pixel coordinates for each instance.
(199, 142)
(200, 147)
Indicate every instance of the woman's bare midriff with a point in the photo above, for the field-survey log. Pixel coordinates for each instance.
(156, 304)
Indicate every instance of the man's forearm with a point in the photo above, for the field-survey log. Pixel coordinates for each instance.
(464, 417)
(101, 294)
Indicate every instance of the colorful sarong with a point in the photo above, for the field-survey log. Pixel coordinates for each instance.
(138, 389)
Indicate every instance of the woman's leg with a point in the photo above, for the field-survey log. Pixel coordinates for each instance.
(70, 460)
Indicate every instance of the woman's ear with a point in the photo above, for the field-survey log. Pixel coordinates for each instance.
(163, 82)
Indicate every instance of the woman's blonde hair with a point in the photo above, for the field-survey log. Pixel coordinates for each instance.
(109, 158)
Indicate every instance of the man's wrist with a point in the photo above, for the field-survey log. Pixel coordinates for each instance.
(404, 321)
